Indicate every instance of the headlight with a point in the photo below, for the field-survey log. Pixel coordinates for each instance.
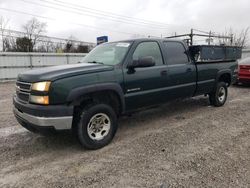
(39, 99)
(40, 86)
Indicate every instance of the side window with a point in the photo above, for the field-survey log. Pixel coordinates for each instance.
(148, 49)
(175, 53)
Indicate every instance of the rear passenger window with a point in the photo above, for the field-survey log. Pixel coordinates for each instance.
(145, 49)
(175, 53)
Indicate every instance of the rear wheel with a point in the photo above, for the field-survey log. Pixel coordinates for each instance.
(219, 96)
(96, 126)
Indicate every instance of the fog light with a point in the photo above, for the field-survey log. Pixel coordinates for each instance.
(39, 99)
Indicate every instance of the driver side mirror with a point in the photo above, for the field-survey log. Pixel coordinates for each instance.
(147, 61)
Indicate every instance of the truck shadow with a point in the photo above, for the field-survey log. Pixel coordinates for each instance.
(242, 86)
(175, 109)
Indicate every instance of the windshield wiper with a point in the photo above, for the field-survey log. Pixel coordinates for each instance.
(96, 62)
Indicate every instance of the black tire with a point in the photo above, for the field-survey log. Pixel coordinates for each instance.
(81, 129)
(219, 96)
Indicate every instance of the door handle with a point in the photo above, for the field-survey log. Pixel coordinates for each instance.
(163, 73)
(189, 70)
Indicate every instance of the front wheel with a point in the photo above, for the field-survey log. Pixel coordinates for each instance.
(96, 126)
(219, 96)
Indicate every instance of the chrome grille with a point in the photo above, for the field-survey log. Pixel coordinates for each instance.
(23, 91)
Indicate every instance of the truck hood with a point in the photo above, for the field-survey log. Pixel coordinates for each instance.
(61, 71)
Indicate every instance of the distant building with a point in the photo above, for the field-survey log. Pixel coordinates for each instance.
(245, 53)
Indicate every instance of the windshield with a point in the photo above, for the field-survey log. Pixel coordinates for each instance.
(107, 54)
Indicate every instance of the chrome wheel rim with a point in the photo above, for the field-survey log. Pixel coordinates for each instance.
(222, 94)
(98, 126)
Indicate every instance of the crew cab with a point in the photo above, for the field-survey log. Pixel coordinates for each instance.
(116, 79)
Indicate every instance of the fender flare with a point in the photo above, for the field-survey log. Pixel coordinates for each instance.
(80, 91)
(221, 72)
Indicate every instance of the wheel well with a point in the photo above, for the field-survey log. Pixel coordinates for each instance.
(107, 97)
(225, 78)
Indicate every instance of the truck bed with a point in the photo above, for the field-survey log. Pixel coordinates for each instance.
(209, 71)
(209, 54)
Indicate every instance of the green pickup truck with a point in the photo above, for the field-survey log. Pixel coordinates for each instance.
(115, 79)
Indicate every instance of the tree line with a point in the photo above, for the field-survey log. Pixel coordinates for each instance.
(33, 39)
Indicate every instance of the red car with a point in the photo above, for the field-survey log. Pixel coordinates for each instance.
(244, 71)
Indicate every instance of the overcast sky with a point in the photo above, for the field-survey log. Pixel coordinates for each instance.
(140, 17)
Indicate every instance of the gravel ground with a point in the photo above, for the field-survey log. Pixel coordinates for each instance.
(182, 144)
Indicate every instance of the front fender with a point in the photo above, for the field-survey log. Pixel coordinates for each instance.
(80, 91)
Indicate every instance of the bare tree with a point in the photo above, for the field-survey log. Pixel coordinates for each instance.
(34, 29)
(46, 45)
(238, 39)
(70, 45)
(3, 26)
(49, 45)
(242, 38)
(10, 44)
(59, 48)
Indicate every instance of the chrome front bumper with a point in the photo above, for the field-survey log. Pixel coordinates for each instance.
(59, 123)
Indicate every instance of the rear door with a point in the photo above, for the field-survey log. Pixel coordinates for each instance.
(181, 70)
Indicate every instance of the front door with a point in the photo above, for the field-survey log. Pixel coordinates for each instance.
(143, 85)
